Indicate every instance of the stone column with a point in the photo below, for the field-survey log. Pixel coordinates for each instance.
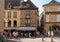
(12, 16)
(6, 24)
(12, 24)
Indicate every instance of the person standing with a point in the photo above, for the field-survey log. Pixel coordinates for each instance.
(4, 39)
(10, 35)
(48, 33)
(21, 34)
(29, 34)
(6, 33)
(14, 34)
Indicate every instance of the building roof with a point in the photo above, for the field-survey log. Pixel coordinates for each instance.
(28, 4)
(16, 4)
(13, 3)
(52, 2)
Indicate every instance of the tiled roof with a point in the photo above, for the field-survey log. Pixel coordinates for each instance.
(52, 2)
(16, 3)
(13, 2)
(27, 4)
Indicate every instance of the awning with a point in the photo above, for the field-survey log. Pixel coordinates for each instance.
(22, 28)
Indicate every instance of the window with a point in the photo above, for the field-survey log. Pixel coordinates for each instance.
(28, 14)
(58, 18)
(47, 18)
(58, 8)
(15, 23)
(47, 9)
(9, 24)
(9, 6)
(28, 22)
(15, 15)
(28, 5)
(9, 14)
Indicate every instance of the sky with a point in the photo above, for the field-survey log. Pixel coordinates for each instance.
(40, 3)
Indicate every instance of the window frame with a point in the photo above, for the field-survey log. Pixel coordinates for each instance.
(15, 15)
(58, 8)
(28, 14)
(47, 18)
(58, 17)
(9, 14)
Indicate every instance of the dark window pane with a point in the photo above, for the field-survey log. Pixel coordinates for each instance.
(15, 23)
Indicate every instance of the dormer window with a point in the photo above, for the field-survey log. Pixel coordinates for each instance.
(9, 6)
(28, 5)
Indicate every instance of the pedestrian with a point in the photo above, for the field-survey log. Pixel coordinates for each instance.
(21, 34)
(38, 34)
(6, 33)
(25, 34)
(0, 37)
(10, 35)
(15, 34)
(48, 33)
(4, 39)
(29, 34)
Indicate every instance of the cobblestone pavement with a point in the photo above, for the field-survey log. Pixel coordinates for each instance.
(56, 39)
(11, 41)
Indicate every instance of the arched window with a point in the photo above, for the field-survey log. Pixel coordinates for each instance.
(9, 23)
(15, 23)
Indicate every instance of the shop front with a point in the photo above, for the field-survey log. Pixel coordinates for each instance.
(22, 30)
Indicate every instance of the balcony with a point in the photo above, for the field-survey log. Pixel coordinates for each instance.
(27, 17)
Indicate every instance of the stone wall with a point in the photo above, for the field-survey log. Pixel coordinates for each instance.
(1, 14)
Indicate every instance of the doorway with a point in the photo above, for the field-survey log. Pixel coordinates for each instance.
(56, 30)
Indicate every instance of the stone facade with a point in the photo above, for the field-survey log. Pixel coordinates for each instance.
(26, 16)
(1, 14)
(51, 20)
(21, 15)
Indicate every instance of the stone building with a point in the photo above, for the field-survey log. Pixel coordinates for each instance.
(1, 14)
(20, 15)
(52, 17)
